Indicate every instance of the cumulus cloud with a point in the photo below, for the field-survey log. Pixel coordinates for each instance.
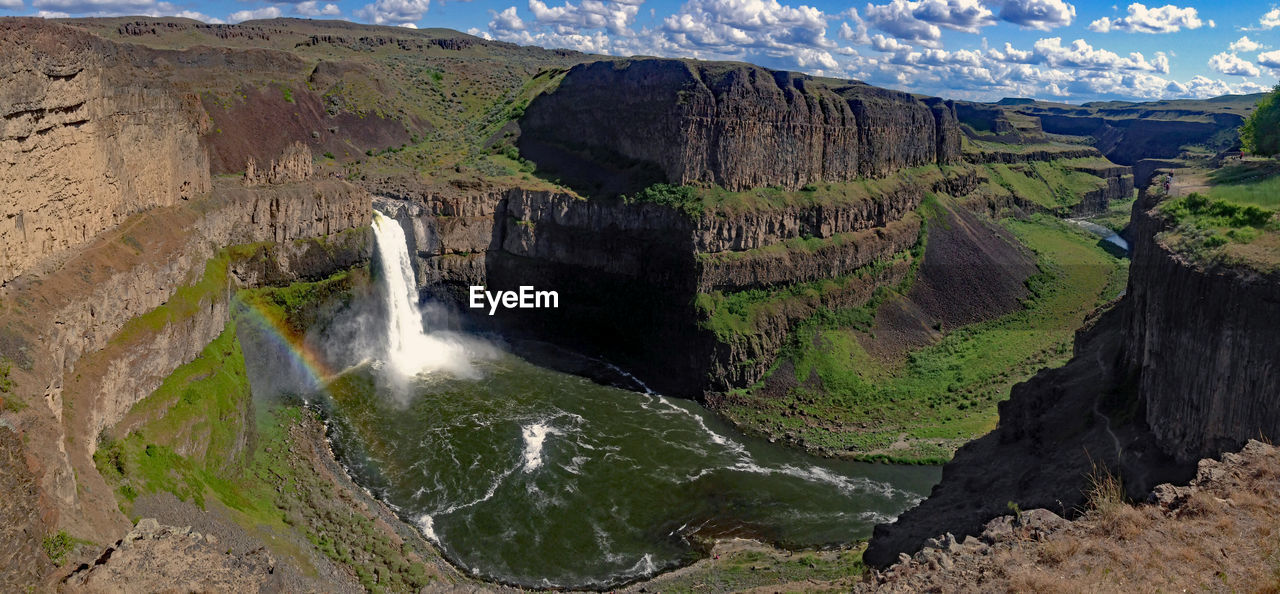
(1013, 55)
(393, 12)
(266, 12)
(1232, 64)
(1244, 44)
(312, 8)
(614, 15)
(881, 43)
(1084, 56)
(506, 21)
(1038, 14)
(1270, 60)
(922, 21)
(1140, 19)
(1270, 20)
(59, 9)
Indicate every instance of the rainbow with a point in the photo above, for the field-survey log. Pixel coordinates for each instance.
(288, 341)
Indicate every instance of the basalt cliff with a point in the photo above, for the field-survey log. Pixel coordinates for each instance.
(1182, 367)
(736, 125)
(121, 256)
(694, 217)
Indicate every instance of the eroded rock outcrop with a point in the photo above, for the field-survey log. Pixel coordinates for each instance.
(85, 141)
(739, 126)
(1201, 342)
(1183, 367)
(294, 165)
(156, 558)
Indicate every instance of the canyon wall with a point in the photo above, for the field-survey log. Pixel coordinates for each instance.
(1184, 366)
(1201, 341)
(736, 125)
(1129, 135)
(85, 141)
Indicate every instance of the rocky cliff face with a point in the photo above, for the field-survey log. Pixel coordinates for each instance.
(101, 332)
(1128, 135)
(85, 141)
(738, 126)
(1183, 367)
(1202, 344)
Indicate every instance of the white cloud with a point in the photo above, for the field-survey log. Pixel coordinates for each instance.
(1013, 55)
(266, 12)
(1084, 56)
(1244, 44)
(393, 12)
(856, 33)
(408, 25)
(11, 4)
(614, 15)
(921, 21)
(1140, 19)
(881, 43)
(1270, 60)
(1038, 14)
(507, 20)
(1233, 65)
(312, 8)
(53, 9)
(1270, 20)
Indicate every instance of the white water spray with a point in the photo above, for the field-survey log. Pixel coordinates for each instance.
(410, 350)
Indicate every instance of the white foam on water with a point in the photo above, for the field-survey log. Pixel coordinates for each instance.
(410, 350)
(428, 527)
(534, 436)
(644, 566)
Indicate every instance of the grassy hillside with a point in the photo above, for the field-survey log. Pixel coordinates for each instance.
(919, 409)
(201, 438)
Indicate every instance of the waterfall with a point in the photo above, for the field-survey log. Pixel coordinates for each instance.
(410, 349)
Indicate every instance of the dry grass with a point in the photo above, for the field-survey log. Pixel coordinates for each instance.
(1223, 537)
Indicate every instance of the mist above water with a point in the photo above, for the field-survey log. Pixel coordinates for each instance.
(529, 476)
(409, 349)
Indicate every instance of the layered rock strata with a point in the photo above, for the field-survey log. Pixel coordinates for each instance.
(85, 142)
(740, 126)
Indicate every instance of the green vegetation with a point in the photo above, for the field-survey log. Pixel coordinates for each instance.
(741, 570)
(1260, 133)
(698, 200)
(57, 546)
(1117, 215)
(844, 399)
(199, 437)
(1056, 185)
(747, 312)
(10, 400)
(1221, 232)
(288, 93)
(1253, 181)
(682, 198)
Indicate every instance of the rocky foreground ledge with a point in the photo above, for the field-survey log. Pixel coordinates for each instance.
(156, 558)
(1215, 534)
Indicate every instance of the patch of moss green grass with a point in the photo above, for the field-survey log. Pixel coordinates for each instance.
(200, 437)
(923, 408)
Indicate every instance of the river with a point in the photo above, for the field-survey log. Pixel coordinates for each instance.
(533, 477)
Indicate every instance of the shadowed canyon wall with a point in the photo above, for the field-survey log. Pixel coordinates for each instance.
(740, 126)
(1183, 367)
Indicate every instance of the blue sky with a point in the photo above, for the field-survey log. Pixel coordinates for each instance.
(971, 49)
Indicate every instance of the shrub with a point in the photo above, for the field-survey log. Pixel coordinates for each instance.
(683, 198)
(1260, 133)
(57, 546)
